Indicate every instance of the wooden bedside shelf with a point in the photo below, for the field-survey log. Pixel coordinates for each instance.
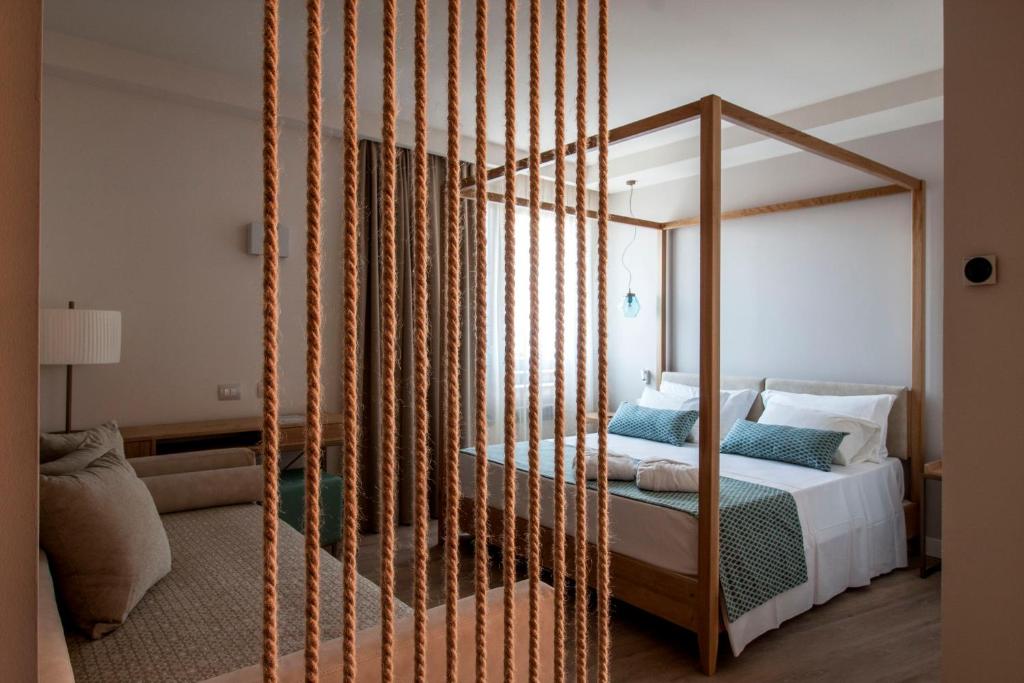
(932, 472)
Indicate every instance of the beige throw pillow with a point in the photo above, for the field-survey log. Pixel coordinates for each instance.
(106, 543)
(86, 446)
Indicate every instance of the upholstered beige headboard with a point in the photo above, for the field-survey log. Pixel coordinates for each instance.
(732, 383)
(896, 438)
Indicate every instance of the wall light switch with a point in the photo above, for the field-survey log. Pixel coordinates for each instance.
(229, 392)
(980, 270)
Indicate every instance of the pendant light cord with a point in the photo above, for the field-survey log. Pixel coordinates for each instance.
(622, 259)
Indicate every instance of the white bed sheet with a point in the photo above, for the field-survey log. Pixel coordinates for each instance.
(852, 521)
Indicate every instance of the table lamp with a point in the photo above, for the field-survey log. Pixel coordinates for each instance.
(74, 336)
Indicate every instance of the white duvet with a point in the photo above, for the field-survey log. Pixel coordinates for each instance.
(852, 520)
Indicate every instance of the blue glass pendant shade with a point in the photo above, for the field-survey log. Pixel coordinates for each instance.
(631, 305)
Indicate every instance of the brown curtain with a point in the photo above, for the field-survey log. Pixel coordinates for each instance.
(370, 323)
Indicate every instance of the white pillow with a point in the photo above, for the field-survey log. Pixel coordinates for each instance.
(675, 389)
(862, 440)
(734, 405)
(874, 408)
(652, 398)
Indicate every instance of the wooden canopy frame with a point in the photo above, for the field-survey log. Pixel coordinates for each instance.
(694, 603)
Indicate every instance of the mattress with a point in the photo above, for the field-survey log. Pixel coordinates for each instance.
(851, 518)
(205, 617)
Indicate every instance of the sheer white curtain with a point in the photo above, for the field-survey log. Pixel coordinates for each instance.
(496, 321)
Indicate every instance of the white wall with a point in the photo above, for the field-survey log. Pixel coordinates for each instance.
(824, 295)
(821, 293)
(632, 342)
(144, 204)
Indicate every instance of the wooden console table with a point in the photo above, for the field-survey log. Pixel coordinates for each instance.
(177, 437)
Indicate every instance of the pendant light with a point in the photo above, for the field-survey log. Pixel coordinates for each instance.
(630, 305)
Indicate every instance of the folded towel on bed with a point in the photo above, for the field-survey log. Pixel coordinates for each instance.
(621, 467)
(666, 475)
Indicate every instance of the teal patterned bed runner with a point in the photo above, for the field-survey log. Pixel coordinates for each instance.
(761, 541)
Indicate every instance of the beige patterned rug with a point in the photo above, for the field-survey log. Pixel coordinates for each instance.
(204, 618)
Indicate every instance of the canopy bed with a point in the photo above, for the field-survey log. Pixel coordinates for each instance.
(690, 594)
(668, 561)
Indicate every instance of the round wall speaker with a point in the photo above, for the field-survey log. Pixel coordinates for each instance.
(980, 270)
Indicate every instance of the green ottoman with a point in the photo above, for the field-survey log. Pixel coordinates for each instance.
(292, 503)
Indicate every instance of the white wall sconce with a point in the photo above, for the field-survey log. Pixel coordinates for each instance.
(254, 239)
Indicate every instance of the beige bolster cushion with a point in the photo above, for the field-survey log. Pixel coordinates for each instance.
(194, 461)
(205, 489)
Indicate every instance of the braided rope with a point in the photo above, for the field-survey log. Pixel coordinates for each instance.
(313, 341)
(581, 553)
(350, 370)
(603, 554)
(509, 519)
(271, 441)
(388, 359)
(480, 331)
(558, 538)
(422, 358)
(453, 346)
(533, 410)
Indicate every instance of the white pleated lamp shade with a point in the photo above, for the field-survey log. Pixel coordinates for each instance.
(76, 336)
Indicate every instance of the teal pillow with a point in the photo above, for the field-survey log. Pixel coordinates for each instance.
(666, 426)
(796, 445)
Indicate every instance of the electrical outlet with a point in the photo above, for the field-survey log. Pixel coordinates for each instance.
(229, 392)
(645, 376)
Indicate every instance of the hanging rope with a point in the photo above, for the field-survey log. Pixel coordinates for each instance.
(313, 314)
(509, 520)
(480, 331)
(388, 356)
(558, 537)
(453, 345)
(271, 442)
(582, 552)
(350, 370)
(422, 358)
(603, 555)
(533, 410)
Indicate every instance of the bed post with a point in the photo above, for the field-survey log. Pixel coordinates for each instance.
(710, 257)
(662, 309)
(915, 414)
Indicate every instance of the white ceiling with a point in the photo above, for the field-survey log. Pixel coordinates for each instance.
(842, 69)
(770, 56)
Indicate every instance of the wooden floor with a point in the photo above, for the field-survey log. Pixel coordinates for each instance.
(887, 632)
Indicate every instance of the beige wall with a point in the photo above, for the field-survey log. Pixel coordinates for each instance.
(20, 31)
(145, 199)
(982, 598)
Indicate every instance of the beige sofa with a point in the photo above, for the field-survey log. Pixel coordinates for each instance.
(203, 620)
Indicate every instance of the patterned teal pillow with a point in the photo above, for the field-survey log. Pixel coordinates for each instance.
(795, 445)
(666, 426)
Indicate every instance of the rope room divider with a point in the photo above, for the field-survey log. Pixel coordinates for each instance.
(485, 643)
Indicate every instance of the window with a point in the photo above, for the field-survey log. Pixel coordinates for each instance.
(547, 320)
